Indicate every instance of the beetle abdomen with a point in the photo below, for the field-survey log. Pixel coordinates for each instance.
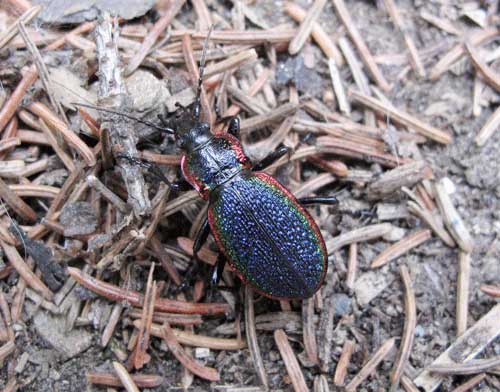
(270, 240)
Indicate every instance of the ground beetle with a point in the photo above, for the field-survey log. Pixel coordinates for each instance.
(269, 239)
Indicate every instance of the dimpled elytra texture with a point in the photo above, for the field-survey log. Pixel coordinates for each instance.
(272, 242)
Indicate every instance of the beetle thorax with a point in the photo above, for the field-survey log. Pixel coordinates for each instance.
(216, 160)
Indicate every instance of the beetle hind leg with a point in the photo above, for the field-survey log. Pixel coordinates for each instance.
(329, 200)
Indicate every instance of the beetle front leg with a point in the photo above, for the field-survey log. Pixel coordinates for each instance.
(234, 125)
(271, 158)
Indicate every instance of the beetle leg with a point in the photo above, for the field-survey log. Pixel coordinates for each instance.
(234, 125)
(217, 271)
(201, 238)
(330, 200)
(271, 158)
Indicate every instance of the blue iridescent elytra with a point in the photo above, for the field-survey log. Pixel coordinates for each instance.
(267, 237)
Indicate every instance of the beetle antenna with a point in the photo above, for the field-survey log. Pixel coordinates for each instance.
(148, 123)
(197, 104)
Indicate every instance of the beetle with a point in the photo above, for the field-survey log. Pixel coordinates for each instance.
(264, 232)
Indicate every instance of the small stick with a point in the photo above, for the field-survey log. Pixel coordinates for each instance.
(201, 9)
(401, 117)
(475, 39)
(471, 367)
(18, 301)
(31, 75)
(186, 361)
(160, 159)
(257, 122)
(309, 330)
(171, 318)
(107, 193)
(136, 299)
(406, 175)
(469, 384)
(318, 34)
(362, 234)
(205, 254)
(125, 377)
(452, 219)
(358, 75)
(463, 282)
(492, 125)
(343, 363)
(141, 380)
(16, 203)
(58, 125)
(408, 329)
(41, 191)
(145, 321)
(290, 360)
(432, 220)
(180, 202)
(333, 166)
(6, 271)
(159, 27)
(481, 333)
(306, 27)
(43, 73)
(7, 143)
(408, 385)
(12, 30)
(371, 365)
(249, 37)
(344, 147)
(313, 184)
(250, 104)
(32, 137)
(356, 37)
(7, 349)
(338, 87)
(12, 169)
(441, 23)
(401, 247)
(58, 149)
(352, 265)
(114, 95)
(494, 291)
(10, 133)
(251, 335)
(398, 22)
(490, 76)
(108, 331)
(10, 107)
(165, 259)
(194, 340)
(4, 308)
(326, 329)
(230, 63)
(26, 273)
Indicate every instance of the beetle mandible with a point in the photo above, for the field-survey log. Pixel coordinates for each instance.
(263, 231)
